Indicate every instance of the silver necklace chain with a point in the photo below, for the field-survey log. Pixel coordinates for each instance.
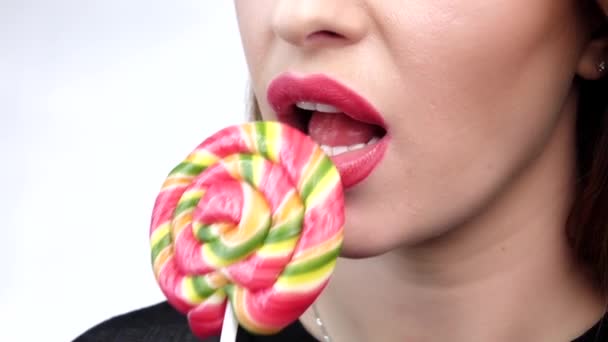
(320, 324)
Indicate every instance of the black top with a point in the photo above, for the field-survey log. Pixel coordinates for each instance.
(160, 323)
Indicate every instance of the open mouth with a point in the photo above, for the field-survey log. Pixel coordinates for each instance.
(346, 126)
(335, 131)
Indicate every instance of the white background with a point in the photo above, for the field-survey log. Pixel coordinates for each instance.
(98, 101)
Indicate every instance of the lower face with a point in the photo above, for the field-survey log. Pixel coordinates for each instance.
(469, 92)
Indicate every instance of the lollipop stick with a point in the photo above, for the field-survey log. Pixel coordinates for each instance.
(229, 327)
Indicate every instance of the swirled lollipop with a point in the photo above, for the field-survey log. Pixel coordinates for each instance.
(254, 217)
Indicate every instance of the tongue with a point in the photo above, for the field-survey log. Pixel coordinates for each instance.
(338, 129)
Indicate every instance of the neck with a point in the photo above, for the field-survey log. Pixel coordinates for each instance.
(506, 275)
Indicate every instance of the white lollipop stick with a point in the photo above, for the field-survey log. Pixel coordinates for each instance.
(229, 326)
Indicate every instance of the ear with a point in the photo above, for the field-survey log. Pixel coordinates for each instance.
(593, 63)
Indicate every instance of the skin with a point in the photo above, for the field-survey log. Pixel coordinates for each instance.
(463, 221)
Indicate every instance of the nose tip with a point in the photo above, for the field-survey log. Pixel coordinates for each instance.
(310, 22)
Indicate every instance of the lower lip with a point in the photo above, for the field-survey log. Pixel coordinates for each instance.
(356, 166)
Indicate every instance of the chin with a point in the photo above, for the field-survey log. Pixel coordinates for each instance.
(360, 242)
(370, 239)
(359, 250)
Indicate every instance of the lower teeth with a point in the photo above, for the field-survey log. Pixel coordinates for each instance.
(336, 150)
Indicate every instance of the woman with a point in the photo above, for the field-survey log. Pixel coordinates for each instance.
(474, 153)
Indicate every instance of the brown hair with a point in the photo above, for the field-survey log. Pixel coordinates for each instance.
(587, 225)
(253, 110)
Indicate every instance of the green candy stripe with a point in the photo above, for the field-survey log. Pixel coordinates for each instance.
(160, 245)
(229, 289)
(246, 167)
(325, 165)
(287, 230)
(260, 138)
(236, 253)
(312, 264)
(202, 287)
(204, 233)
(188, 169)
(185, 205)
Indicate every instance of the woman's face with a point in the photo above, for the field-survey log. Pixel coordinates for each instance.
(469, 92)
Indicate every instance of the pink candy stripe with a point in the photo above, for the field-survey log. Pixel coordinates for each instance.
(170, 280)
(275, 185)
(257, 272)
(228, 141)
(223, 202)
(274, 309)
(206, 319)
(295, 155)
(164, 207)
(188, 256)
(322, 222)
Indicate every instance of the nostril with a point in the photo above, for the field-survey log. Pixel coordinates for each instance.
(324, 34)
(313, 24)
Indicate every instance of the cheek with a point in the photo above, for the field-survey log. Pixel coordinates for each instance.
(478, 94)
(473, 78)
(254, 20)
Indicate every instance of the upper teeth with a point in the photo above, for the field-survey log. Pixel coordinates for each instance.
(319, 107)
(335, 150)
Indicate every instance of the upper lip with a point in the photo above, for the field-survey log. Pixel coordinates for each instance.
(287, 89)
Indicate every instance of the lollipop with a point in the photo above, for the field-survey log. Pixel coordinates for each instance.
(254, 218)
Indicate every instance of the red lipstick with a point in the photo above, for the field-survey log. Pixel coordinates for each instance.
(355, 163)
